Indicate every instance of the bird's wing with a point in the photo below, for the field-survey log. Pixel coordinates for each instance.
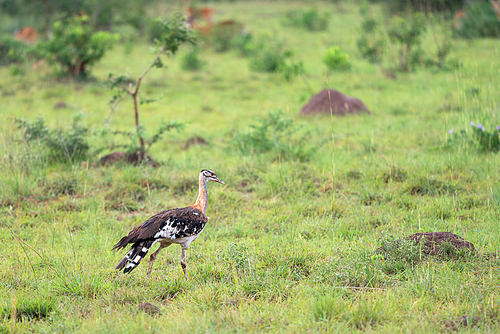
(171, 224)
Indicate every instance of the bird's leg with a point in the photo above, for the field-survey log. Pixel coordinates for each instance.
(183, 261)
(153, 258)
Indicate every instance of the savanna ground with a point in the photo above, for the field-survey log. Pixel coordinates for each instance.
(290, 246)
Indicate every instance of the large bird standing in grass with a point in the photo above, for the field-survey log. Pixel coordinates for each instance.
(177, 226)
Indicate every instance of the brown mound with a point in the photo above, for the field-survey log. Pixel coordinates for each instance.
(432, 242)
(60, 105)
(339, 103)
(149, 308)
(133, 159)
(463, 321)
(195, 141)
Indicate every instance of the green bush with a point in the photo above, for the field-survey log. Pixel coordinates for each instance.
(404, 34)
(291, 70)
(75, 46)
(12, 50)
(68, 144)
(275, 134)
(269, 59)
(407, 33)
(270, 56)
(336, 59)
(480, 21)
(371, 44)
(191, 62)
(222, 36)
(309, 19)
(244, 44)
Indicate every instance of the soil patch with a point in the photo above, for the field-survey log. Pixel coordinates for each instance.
(437, 243)
(61, 105)
(338, 103)
(133, 159)
(195, 141)
(463, 321)
(149, 309)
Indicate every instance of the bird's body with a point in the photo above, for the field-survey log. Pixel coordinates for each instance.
(176, 226)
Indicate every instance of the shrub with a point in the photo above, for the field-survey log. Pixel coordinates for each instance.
(271, 56)
(406, 32)
(68, 144)
(405, 35)
(276, 134)
(309, 19)
(191, 62)
(244, 44)
(370, 44)
(12, 50)
(336, 59)
(291, 70)
(75, 46)
(480, 21)
(222, 36)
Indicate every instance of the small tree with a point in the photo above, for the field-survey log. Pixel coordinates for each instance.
(174, 32)
(336, 59)
(75, 46)
(407, 33)
(371, 42)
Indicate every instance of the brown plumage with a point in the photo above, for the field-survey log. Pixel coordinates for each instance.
(177, 226)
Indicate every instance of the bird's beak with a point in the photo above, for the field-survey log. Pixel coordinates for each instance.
(219, 181)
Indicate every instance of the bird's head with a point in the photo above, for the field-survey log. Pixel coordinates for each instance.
(209, 175)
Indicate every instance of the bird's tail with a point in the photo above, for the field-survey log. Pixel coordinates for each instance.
(134, 256)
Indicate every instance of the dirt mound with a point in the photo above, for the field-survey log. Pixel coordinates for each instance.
(340, 104)
(149, 309)
(463, 321)
(432, 241)
(437, 243)
(195, 141)
(61, 105)
(133, 159)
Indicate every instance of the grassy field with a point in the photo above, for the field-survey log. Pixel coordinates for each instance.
(291, 243)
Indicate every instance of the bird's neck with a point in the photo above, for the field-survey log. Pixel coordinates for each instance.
(202, 200)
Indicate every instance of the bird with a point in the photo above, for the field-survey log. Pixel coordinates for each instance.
(176, 226)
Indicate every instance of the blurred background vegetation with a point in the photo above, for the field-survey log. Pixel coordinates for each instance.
(308, 197)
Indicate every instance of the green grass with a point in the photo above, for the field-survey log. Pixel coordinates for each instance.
(290, 246)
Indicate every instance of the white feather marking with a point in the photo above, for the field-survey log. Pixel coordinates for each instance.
(144, 249)
(137, 259)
